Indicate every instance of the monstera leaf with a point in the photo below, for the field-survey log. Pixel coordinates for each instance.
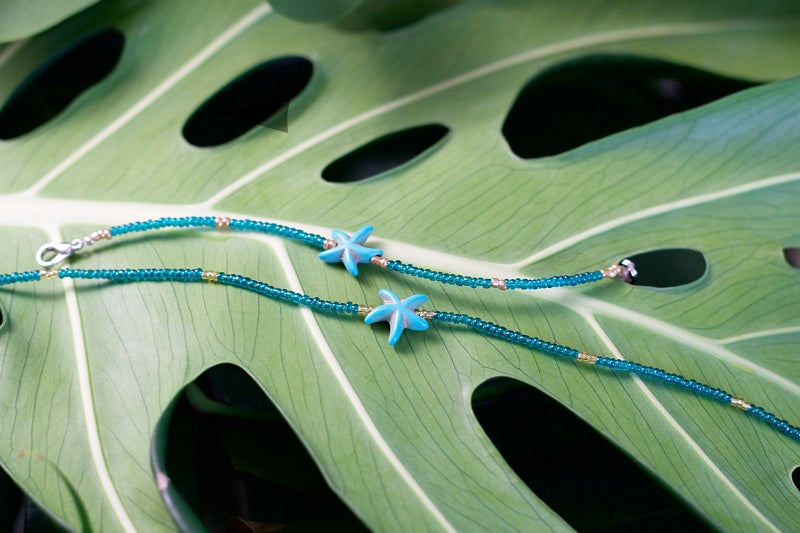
(87, 369)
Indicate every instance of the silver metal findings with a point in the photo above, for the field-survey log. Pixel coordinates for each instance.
(54, 252)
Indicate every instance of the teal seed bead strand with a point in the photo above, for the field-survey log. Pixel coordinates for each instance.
(657, 374)
(700, 388)
(20, 277)
(440, 277)
(285, 295)
(255, 226)
(487, 283)
(163, 222)
(331, 247)
(781, 425)
(508, 335)
(198, 274)
(318, 241)
(132, 275)
(278, 230)
(555, 281)
(630, 367)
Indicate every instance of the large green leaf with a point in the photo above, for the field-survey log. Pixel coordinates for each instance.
(87, 369)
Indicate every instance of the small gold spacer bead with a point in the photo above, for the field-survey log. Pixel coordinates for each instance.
(223, 222)
(498, 283)
(364, 309)
(741, 404)
(48, 274)
(210, 275)
(378, 260)
(587, 358)
(424, 314)
(330, 243)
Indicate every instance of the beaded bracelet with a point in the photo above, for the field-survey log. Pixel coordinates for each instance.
(405, 314)
(341, 247)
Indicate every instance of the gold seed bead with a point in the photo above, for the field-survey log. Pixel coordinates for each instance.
(625, 270)
(97, 235)
(617, 271)
(741, 404)
(587, 358)
(613, 271)
(330, 243)
(424, 314)
(498, 283)
(379, 260)
(210, 275)
(48, 274)
(364, 309)
(223, 222)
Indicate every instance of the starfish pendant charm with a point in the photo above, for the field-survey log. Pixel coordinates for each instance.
(399, 313)
(349, 250)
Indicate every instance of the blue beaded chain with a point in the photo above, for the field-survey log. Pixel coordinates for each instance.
(394, 311)
(340, 248)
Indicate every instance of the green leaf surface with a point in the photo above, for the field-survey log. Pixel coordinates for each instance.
(315, 11)
(23, 18)
(87, 369)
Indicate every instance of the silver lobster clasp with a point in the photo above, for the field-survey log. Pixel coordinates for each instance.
(53, 253)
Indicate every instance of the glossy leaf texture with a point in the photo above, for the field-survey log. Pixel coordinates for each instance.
(87, 369)
(24, 18)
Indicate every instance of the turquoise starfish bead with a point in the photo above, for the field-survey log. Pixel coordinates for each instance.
(399, 313)
(349, 250)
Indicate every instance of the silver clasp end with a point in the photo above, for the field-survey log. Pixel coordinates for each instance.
(53, 253)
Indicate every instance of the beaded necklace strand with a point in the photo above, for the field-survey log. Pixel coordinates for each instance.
(349, 250)
(403, 314)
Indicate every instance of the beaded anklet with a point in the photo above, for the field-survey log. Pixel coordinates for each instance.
(349, 250)
(404, 314)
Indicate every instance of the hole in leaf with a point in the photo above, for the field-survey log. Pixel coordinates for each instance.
(11, 502)
(591, 484)
(233, 461)
(792, 256)
(59, 81)
(20, 513)
(384, 153)
(31, 517)
(669, 267)
(796, 477)
(589, 98)
(260, 95)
